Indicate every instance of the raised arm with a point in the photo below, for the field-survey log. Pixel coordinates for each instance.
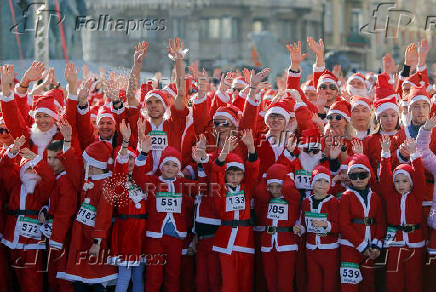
(132, 85)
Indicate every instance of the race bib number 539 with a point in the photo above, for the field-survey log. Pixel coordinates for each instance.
(350, 273)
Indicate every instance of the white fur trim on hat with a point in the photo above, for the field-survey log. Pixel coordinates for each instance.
(238, 81)
(226, 115)
(310, 87)
(170, 91)
(355, 77)
(358, 165)
(46, 111)
(341, 113)
(278, 110)
(93, 162)
(326, 80)
(172, 159)
(235, 164)
(402, 171)
(104, 115)
(321, 176)
(418, 98)
(360, 102)
(298, 105)
(152, 94)
(270, 181)
(386, 106)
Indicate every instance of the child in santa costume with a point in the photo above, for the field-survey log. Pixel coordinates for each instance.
(27, 193)
(362, 227)
(87, 258)
(279, 201)
(404, 237)
(130, 217)
(320, 220)
(234, 239)
(169, 207)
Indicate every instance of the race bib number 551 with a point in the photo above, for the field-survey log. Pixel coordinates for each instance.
(169, 202)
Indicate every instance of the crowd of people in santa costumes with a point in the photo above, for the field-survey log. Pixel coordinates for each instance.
(223, 183)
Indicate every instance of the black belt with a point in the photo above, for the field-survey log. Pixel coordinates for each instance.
(137, 216)
(23, 212)
(274, 229)
(406, 227)
(365, 221)
(429, 181)
(236, 223)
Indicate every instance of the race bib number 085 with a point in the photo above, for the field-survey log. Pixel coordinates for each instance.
(278, 209)
(235, 201)
(159, 140)
(168, 202)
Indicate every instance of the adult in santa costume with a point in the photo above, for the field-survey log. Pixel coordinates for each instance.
(361, 111)
(404, 236)
(356, 85)
(362, 227)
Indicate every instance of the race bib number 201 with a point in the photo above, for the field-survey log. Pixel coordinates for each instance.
(159, 140)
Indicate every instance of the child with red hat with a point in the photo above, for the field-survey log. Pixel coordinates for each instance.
(279, 201)
(234, 239)
(319, 216)
(405, 224)
(362, 227)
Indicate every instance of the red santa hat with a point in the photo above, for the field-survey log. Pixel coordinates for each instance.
(231, 112)
(130, 151)
(171, 89)
(234, 160)
(359, 100)
(358, 76)
(276, 173)
(282, 108)
(320, 172)
(341, 108)
(414, 80)
(58, 96)
(381, 105)
(269, 94)
(145, 88)
(93, 111)
(359, 161)
(383, 89)
(308, 85)
(310, 138)
(122, 95)
(97, 98)
(105, 112)
(160, 95)
(405, 169)
(171, 154)
(239, 80)
(45, 104)
(98, 154)
(417, 94)
(327, 77)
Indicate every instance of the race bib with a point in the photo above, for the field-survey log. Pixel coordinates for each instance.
(29, 227)
(302, 179)
(310, 216)
(159, 140)
(235, 201)
(167, 202)
(135, 192)
(277, 209)
(86, 214)
(390, 236)
(47, 228)
(350, 273)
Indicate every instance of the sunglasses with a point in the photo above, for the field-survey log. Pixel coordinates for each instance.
(224, 124)
(236, 89)
(330, 85)
(313, 150)
(337, 117)
(358, 175)
(3, 130)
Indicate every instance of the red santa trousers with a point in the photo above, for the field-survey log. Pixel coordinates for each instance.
(301, 270)
(187, 273)
(166, 253)
(28, 267)
(237, 272)
(5, 274)
(259, 275)
(208, 274)
(57, 260)
(279, 270)
(404, 269)
(322, 270)
(352, 255)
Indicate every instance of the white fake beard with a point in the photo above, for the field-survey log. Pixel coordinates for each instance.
(357, 92)
(42, 139)
(29, 181)
(309, 163)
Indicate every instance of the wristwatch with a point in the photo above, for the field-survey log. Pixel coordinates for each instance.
(344, 148)
(96, 240)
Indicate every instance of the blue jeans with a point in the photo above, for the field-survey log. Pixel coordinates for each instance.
(135, 273)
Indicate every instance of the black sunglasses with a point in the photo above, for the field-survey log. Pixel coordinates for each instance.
(337, 117)
(358, 175)
(3, 130)
(224, 124)
(330, 85)
(313, 150)
(236, 89)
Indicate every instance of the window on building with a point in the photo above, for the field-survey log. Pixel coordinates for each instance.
(356, 15)
(328, 17)
(178, 27)
(235, 29)
(227, 27)
(214, 28)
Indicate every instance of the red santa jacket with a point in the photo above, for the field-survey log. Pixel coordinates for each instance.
(329, 207)
(167, 200)
(403, 209)
(357, 235)
(130, 219)
(240, 238)
(278, 212)
(22, 224)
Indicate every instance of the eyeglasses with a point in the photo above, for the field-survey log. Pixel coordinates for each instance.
(358, 175)
(337, 117)
(313, 150)
(223, 124)
(3, 130)
(236, 89)
(330, 85)
(276, 116)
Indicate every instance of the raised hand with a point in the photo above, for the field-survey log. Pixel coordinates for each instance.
(140, 51)
(357, 146)
(71, 73)
(27, 153)
(202, 142)
(255, 79)
(84, 90)
(203, 82)
(291, 143)
(7, 77)
(125, 130)
(295, 55)
(145, 143)
(141, 128)
(197, 154)
(194, 70)
(389, 64)
(229, 145)
(226, 81)
(423, 50)
(18, 143)
(248, 140)
(65, 129)
(404, 150)
(411, 55)
(335, 151)
(316, 47)
(176, 49)
(430, 123)
(411, 145)
(34, 73)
